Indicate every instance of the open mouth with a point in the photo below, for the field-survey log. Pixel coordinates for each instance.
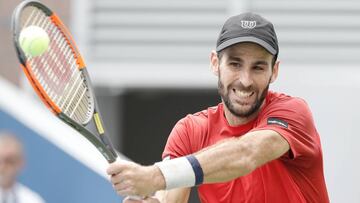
(243, 94)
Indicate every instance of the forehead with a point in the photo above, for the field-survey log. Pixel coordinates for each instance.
(248, 49)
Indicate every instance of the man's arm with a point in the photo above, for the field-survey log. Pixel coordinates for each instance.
(221, 162)
(239, 156)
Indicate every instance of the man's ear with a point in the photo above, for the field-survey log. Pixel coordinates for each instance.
(214, 62)
(275, 71)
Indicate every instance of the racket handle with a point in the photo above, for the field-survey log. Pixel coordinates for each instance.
(108, 145)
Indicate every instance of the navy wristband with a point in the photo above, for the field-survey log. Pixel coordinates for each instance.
(199, 174)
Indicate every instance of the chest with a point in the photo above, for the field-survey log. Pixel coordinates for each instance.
(217, 133)
(269, 183)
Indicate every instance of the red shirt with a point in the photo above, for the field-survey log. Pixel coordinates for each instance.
(295, 177)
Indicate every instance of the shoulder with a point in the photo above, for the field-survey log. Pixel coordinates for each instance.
(188, 134)
(285, 103)
(27, 195)
(291, 118)
(291, 110)
(204, 116)
(197, 124)
(282, 98)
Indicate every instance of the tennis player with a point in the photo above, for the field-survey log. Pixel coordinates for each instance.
(255, 146)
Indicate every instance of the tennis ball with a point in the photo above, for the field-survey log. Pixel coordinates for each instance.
(34, 41)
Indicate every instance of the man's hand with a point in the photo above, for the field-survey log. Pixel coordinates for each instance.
(131, 179)
(146, 200)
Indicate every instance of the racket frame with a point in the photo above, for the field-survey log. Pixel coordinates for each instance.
(100, 140)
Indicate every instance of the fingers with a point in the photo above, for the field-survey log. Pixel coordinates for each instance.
(145, 200)
(129, 178)
(122, 178)
(117, 167)
(116, 178)
(125, 192)
(150, 200)
(122, 186)
(129, 200)
(112, 169)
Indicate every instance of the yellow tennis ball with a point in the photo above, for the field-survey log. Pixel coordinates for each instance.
(33, 40)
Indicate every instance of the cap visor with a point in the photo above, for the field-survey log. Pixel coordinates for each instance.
(247, 39)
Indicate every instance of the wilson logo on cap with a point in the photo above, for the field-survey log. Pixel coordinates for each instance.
(248, 24)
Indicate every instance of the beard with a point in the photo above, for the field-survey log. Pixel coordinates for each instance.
(240, 112)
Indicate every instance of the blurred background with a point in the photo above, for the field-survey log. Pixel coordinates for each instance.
(149, 62)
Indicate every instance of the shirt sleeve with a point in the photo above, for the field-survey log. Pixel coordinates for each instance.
(178, 143)
(292, 119)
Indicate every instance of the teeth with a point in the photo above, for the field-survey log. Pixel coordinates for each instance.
(240, 93)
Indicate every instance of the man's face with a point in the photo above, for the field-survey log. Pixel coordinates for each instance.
(10, 162)
(244, 74)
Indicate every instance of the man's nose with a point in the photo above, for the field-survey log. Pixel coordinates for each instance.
(246, 79)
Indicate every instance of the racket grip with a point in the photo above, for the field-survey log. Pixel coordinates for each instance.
(108, 145)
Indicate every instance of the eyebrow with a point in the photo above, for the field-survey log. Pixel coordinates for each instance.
(260, 62)
(233, 58)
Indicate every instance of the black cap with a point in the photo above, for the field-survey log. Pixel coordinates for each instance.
(248, 27)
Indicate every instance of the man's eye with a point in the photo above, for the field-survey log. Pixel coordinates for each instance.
(259, 68)
(235, 64)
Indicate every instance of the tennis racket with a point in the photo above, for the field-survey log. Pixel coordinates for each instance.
(59, 75)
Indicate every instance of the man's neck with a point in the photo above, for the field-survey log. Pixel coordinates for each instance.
(7, 187)
(234, 120)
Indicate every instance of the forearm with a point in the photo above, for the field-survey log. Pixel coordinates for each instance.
(227, 160)
(224, 161)
(219, 163)
(237, 157)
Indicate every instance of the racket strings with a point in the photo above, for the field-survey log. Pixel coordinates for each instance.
(57, 69)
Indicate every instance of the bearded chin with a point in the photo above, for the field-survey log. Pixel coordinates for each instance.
(241, 114)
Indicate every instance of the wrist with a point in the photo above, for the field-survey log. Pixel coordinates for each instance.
(158, 178)
(181, 172)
